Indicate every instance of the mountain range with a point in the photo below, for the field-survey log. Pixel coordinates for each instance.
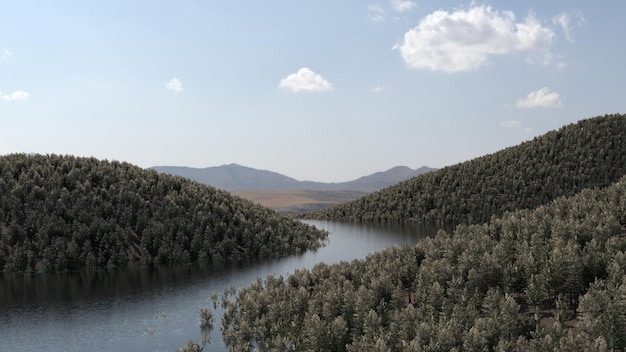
(234, 177)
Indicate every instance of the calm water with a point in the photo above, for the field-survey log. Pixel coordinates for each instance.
(155, 310)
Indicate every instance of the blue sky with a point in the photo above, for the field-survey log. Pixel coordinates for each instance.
(316, 90)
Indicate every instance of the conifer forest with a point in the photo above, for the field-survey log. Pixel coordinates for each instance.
(536, 260)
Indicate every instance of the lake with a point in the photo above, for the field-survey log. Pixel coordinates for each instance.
(157, 309)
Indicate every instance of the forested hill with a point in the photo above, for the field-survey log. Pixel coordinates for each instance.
(587, 154)
(65, 213)
(548, 279)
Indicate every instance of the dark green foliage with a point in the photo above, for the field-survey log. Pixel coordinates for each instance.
(191, 347)
(549, 279)
(587, 154)
(66, 213)
(546, 270)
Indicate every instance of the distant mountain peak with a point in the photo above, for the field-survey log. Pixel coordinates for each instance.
(400, 167)
(235, 177)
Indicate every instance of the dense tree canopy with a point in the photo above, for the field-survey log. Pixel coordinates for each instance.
(538, 262)
(587, 154)
(66, 213)
(549, 279)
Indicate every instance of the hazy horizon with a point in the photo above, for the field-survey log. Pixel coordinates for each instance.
(320, 91)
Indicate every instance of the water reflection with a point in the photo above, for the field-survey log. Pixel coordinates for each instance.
(147, 309)
(66, 288)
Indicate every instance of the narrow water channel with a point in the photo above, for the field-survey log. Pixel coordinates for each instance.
(158, 309)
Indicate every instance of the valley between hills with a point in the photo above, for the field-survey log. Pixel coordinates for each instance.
(299, 201)
(537, 261)
(288, 195)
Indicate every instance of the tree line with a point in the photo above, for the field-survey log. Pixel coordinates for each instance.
(538, 262)
(62, 213)
(589, 153)
(548, 279)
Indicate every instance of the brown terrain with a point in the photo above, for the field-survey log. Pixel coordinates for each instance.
(298, 201)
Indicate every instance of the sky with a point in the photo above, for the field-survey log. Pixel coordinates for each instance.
(316, 90)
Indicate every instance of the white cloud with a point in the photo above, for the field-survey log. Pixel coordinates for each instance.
(565, 21)
(403, 5)
(379, 89)
(305, 80)
(376, 13)
(542, 98)
(5, 53)
(545, 58)
(17, 95)
(463, 40)
(174, 85)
